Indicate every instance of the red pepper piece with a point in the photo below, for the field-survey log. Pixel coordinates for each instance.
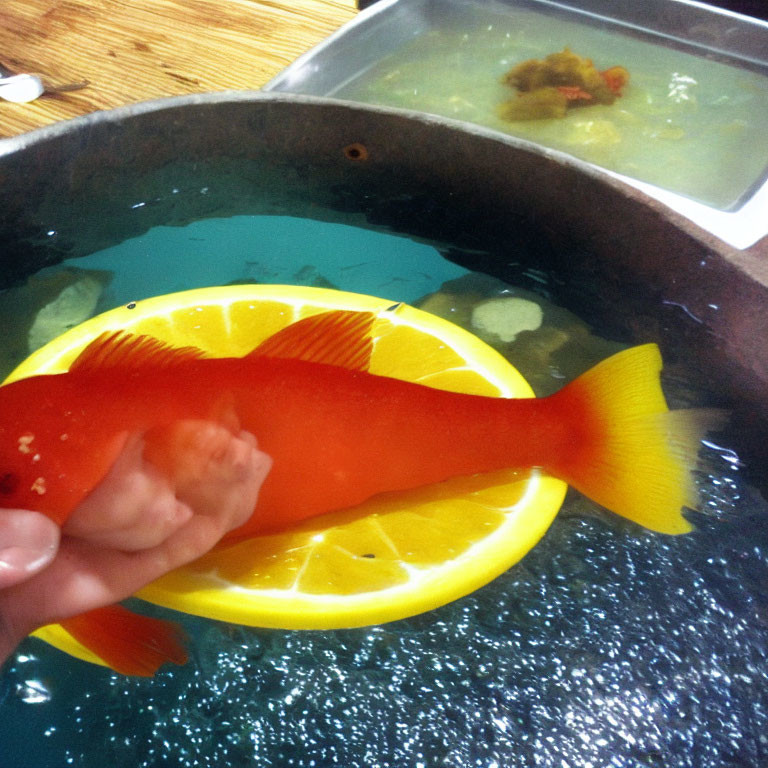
(574, 93)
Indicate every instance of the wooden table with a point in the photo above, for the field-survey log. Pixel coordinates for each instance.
(133, 50)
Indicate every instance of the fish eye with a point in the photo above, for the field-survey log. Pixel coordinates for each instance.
(9, 482)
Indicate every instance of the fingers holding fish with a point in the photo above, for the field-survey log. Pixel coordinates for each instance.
(84, 577)
(160, 480)
(190, 450)
(219, 471)
(134, 508)
(99, 560)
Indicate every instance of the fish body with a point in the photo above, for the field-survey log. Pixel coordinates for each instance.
(336, 437)
(337, 434)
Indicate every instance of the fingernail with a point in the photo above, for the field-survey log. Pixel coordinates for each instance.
(26, 558)
(20, 563)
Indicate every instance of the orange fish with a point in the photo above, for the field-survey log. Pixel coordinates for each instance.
(304, 393)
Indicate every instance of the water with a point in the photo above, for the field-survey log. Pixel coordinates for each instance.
(607, 645)
(269, 249)
(683, 123)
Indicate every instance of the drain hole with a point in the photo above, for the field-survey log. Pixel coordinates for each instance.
(356, 151)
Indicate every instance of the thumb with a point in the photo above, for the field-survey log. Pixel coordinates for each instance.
(28, 543)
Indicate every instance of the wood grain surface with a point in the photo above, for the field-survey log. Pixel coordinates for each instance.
(134, 50)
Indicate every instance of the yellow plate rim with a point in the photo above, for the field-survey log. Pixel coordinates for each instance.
(180, 591)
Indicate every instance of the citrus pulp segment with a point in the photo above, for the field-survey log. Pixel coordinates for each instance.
(394, 556)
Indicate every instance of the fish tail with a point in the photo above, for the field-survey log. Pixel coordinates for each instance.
(127, 642)
(624, 448)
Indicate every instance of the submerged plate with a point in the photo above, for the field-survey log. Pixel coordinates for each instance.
(392, 557)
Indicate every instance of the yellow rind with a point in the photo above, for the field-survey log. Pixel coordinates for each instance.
(480, 564)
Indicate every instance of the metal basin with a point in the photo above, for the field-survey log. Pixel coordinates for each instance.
(548, 655)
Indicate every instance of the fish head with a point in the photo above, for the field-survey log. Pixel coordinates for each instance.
(53, 450)
(32, 467)
(23, 473)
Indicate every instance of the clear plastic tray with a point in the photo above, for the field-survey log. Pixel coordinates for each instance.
(689, 130)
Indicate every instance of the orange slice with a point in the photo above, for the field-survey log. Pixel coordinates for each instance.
(392, 557)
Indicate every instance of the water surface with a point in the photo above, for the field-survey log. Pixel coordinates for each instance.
(606, 646)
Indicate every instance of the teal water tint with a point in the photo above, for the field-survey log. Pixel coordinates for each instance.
(269, 249)
(606, 646)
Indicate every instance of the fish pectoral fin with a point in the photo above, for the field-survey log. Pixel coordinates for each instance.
(119, 349)
(128, 642)
(340, 337)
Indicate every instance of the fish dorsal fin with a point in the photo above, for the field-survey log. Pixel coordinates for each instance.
(340, 337)
(120, 349)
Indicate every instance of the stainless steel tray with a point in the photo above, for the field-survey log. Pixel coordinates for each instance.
(717, 180)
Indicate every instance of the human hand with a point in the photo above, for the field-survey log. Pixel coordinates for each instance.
(157, 484)
(138, 524)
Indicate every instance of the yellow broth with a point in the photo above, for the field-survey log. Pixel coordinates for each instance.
(685, 123)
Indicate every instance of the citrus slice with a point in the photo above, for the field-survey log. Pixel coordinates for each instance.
(398, 554)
